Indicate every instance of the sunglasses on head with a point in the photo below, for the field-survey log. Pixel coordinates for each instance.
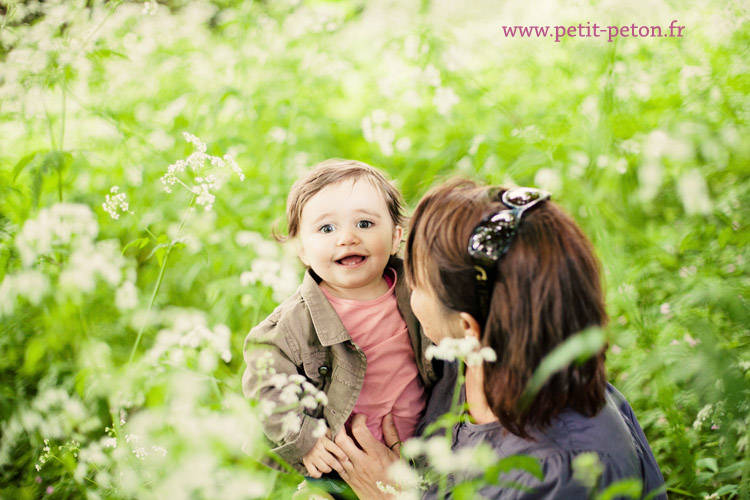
(491, 238)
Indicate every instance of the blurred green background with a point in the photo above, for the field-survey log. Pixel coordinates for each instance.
(643, 140)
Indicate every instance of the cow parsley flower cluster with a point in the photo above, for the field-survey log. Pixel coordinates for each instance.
(188, 337)
(465, 349)
(380, 128)
(444, 460)
(273, 266)
(297, 393)
(59, 253)
(197, 162)
(55, 227)
(115, 201)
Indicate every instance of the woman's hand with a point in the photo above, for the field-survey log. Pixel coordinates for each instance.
(368, 465)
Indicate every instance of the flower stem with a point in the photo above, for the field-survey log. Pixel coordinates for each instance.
(150, 305)
(158, 285)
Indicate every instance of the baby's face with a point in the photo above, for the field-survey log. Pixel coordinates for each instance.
(347, 236)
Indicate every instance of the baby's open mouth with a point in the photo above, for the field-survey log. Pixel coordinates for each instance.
(351, 260)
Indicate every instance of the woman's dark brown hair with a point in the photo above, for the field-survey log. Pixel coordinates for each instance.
(546, 289)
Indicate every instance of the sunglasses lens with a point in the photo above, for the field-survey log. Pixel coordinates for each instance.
(502, 220)
(521, 197)
(490, 238)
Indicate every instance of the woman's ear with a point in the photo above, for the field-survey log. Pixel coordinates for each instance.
(470, 326)
(398, 232)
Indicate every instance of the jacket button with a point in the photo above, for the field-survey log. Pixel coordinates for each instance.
(323, 370)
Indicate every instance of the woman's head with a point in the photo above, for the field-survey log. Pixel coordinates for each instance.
(546, 289)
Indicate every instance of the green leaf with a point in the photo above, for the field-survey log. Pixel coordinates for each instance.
(138, 243)
(658, 491)
(709, 463)
(465, 491)
(525, 463)
(727, 488)
(105, 54)
(624, 488)
(445, 421)
(34, 353)
(161, 248)
(24, 162)
(577, 348)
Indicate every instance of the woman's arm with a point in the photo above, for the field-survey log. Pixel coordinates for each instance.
(368, 463)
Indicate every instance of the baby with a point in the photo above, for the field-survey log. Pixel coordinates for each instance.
(349, 329)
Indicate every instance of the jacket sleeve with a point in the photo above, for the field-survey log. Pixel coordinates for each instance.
(270, 351)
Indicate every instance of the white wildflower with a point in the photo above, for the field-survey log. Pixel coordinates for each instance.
(197, 162)
(702, 416)
(159, 450)
(277, 135)
(548, 179)
(694, 193)
(403, 475)
(62, 225)
(278, 380)
(198, 145)
(403, 144)
(126, 297)
(33, 285)
(479, 357)
(431, 76)
(266, 407)
(320, 430)
(465, 349)
(204, 197)
(444, 99)
(150, 7)
(386, 488)
(289, 394)
(291, 423)
(116, 201)
(309, 402)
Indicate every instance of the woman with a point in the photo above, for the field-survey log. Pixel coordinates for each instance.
(510, 269)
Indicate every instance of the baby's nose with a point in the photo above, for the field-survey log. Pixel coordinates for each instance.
(347, 238)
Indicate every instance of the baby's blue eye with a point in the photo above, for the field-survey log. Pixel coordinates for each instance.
(364, 224)
(326, 228)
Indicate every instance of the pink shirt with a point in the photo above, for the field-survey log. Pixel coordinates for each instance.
(392, 383)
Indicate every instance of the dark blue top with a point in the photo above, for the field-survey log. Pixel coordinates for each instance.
(614, 434)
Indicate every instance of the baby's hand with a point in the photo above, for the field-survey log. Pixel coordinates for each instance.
(324, 457)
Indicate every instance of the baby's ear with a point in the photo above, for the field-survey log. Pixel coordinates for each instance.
(398, 232)
(300, 251)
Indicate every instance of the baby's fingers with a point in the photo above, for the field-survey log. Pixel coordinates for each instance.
(329, 462)
(335, 451)
(312, 471)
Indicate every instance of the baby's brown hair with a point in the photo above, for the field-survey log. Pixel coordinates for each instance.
(333, 171)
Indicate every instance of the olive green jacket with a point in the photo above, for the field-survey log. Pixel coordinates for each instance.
(305, 336)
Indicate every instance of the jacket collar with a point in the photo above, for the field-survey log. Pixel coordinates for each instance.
(326, 322)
